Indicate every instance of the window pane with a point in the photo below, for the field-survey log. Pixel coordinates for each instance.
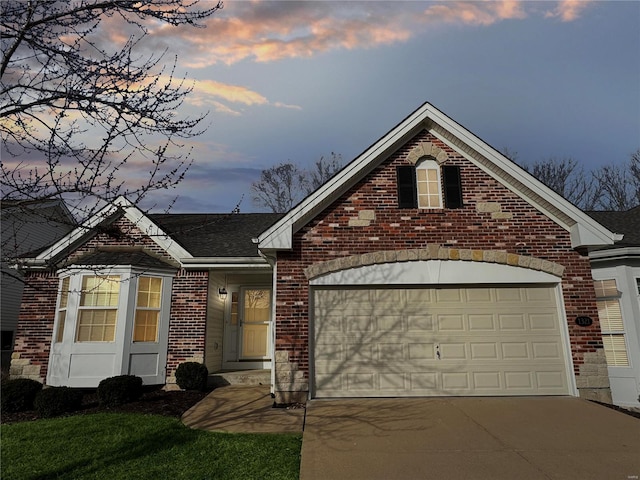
(257, 305)
(610, 316)
(100, 291)
(149, 289)
(146, 326)
(64, 293)
(96, 325)
(428, 182)
(615, 350)
(234, 308)
(606, 288)
(62, 316)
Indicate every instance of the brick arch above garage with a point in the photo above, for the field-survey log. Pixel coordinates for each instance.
(549, 271)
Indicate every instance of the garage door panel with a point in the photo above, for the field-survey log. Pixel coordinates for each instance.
(451, 323)
(481, 322)
(421, 351)
(420, 323)
(542, 321)
(389, 347)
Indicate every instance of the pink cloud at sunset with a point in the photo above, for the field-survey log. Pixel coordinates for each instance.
(569, 10)
(213, 93)
(272, 31)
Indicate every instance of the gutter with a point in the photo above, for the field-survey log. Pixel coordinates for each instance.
(225, 262)
(614, 254)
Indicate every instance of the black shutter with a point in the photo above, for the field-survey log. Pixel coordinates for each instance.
(452, 187)
(407, 197)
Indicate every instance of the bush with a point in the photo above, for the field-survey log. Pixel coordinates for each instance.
(18, 394)
(192, 376)
(119, 390)
(54, 401)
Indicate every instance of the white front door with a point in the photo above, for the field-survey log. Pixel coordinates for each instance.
(255, 321)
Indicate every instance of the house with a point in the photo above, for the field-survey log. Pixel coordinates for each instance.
(25, 226)
(616, 273)
(429, 265)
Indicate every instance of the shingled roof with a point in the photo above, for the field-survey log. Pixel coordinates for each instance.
(627, 223)
(216, 235)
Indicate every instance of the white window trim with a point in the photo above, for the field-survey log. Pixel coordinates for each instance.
(427, 163)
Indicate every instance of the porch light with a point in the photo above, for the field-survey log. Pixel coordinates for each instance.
(222, 292)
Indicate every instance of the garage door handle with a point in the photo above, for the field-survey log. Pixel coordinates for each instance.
(438, 351)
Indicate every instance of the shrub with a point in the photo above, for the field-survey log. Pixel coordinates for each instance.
(119, 390)
(192, 376)
(54, 401)
(18, 394)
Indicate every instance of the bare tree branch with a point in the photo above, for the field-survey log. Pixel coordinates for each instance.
(78, 110)
(284, 185)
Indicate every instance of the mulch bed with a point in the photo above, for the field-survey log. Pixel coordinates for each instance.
(153, 401)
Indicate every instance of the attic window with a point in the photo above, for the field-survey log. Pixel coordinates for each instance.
(427, 184)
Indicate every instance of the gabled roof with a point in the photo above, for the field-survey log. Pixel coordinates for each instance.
(585, 231)
(198, 240)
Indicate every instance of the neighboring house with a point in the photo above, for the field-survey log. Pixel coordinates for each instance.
(429, 265)
(25, 225)
(616, 274)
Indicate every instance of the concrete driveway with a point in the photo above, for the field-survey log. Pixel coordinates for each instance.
(468, 438)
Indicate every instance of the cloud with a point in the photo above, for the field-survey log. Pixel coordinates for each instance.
(569, 10)
(271, 31)
(475, 13)
(219, 95)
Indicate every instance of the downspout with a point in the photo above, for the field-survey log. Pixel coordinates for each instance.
(271, 260)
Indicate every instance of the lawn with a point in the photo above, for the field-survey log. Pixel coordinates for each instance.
(135, 446)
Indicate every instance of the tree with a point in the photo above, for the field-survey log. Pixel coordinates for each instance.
(77, 109)
(321, 171)
(282, 186)
(619, 185)
(567, 178)
(279, 187)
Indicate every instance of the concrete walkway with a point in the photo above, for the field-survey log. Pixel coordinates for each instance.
(468, 438)
(248, 409)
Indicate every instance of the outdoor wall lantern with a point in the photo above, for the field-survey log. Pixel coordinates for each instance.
(222, 292)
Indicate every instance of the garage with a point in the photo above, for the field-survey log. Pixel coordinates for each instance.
(438, 341)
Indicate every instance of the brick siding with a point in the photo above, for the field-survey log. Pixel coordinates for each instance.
(493, 218)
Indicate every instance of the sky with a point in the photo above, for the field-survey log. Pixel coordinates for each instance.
(294, 81)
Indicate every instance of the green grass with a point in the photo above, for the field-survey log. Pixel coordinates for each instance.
(133, 446)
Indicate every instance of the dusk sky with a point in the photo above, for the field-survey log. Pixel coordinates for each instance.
(294, 81)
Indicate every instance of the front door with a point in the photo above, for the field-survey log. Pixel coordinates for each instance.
(255, 319)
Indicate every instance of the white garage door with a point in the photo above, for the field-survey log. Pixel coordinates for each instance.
(437, 341)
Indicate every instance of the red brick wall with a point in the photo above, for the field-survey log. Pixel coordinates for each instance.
(35, 323)
(188, 319)
(121, 233)
(528, 232)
